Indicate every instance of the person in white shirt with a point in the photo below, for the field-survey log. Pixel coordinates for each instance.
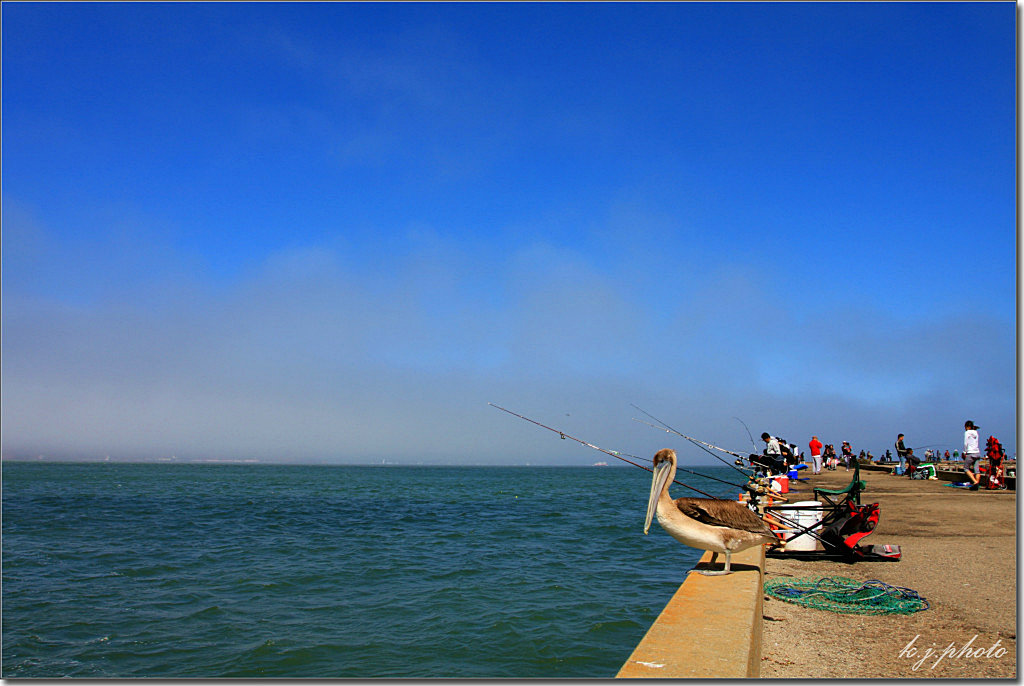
(774, 453)
(972, 452)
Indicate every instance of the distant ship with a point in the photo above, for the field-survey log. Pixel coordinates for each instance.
(600, 464)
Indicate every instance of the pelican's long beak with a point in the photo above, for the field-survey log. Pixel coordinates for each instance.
(658, 481)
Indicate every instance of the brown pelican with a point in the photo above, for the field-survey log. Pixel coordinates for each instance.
(722, 526)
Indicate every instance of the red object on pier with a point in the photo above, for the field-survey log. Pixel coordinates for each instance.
(995, 454)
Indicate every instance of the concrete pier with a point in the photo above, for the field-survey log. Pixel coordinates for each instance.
(711, 628)
(944, 472)
(959, 552)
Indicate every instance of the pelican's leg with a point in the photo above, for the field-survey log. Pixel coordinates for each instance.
(722, 572)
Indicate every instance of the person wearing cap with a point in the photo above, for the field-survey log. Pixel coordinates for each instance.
(972, 452)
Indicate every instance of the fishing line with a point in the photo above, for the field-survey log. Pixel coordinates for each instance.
(706, 476)
(666, 427)
(696, 443)
(749, 435)
(614, 453)
(692, 440)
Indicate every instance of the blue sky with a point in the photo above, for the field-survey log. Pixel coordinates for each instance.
(336, 231)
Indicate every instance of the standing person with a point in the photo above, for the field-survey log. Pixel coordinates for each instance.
(815, 446)
(901, 451)
(972, 453)
(847, 455)
(947, 456)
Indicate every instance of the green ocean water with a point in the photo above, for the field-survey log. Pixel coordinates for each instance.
(177, 570)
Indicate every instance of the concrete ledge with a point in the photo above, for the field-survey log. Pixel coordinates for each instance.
(711, 628)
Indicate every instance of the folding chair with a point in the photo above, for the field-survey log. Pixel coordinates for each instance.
(843, 523)
(837, 498)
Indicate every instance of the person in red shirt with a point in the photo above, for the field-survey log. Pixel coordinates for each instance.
(815, 446)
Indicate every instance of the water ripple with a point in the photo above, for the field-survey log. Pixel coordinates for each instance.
(178, 571)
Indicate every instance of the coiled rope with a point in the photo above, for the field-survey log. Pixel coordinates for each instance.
(847, 596)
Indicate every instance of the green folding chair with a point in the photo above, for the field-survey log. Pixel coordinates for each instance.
(839, 496)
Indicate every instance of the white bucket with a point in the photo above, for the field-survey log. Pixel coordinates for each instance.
(802, 518)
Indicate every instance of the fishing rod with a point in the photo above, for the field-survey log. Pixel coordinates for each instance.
(755, 486)
(749, 435)
(698, 443)
(706, 476)
(690, 471)
(694, 441)
(665, 427)
(614, 453)
(761, 487)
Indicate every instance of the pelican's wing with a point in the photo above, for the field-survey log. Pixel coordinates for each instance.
(728, 513)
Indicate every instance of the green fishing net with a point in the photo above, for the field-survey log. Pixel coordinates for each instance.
(847, 596)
